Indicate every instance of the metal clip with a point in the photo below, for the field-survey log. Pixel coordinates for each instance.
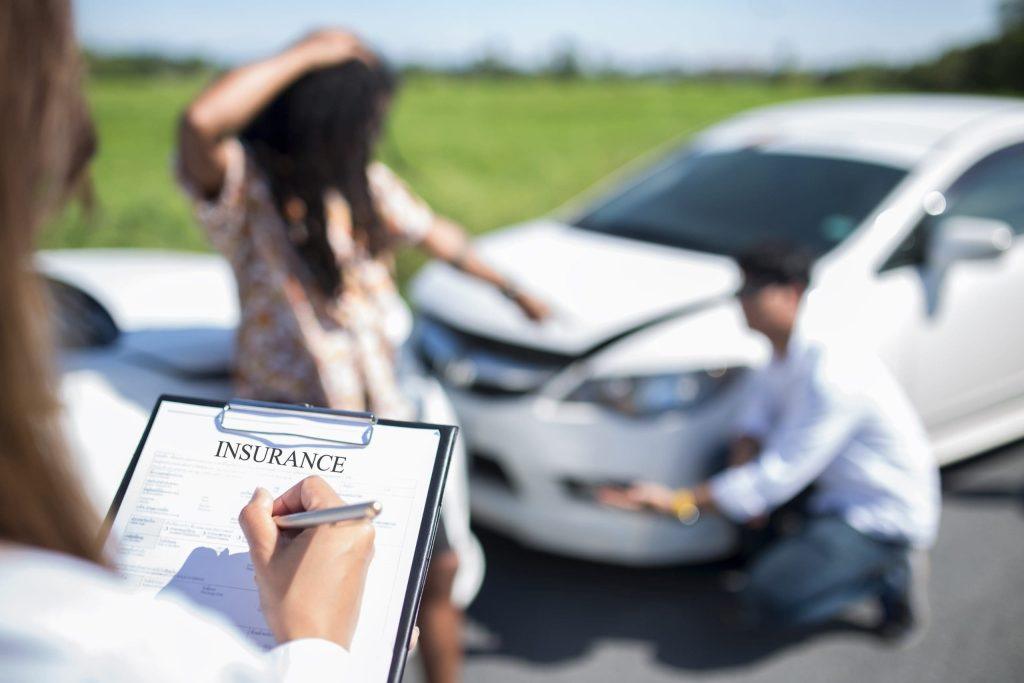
(319, 420)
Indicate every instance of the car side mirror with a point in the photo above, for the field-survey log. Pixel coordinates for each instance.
(960, 238)
(966, 238)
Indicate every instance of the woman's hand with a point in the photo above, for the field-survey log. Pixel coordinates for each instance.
(533, 308)
(310, 582)
(329, 46)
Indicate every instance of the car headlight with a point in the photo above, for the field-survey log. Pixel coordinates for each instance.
(650, 395)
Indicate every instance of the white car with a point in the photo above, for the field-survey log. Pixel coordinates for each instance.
(914, 204)
(135, 324)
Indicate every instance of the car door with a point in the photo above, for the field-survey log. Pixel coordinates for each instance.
(967, 353)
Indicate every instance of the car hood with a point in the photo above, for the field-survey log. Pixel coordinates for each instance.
(177, 311)
(147, 288)
(597, 286)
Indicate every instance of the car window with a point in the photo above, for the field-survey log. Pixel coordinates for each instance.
(991, 188)
(79, 321)
(730, 201)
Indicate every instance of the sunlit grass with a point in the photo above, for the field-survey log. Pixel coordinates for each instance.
(485, 152)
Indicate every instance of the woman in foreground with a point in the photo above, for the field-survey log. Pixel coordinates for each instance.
(64, 613)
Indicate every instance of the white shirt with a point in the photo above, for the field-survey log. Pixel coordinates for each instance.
(64, 620)
(833, 415)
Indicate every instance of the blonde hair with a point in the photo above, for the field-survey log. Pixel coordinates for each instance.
(45, 141)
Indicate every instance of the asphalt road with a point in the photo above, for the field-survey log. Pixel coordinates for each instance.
(540, 617)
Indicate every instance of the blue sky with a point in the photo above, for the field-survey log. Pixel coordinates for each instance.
(633, 33)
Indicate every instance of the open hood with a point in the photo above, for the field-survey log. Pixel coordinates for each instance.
(598, 286)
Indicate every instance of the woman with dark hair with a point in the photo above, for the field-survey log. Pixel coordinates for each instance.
(64, 613)
(278, 157)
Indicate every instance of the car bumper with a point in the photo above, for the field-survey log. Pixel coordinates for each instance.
(527, 454)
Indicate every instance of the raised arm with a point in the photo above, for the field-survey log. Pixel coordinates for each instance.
(233, 100)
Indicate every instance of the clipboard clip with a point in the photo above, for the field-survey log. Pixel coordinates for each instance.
(322, 425)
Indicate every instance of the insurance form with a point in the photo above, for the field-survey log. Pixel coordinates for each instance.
(176, 528)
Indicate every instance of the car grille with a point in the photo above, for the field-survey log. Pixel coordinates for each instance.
(481, 365)
(485, 467)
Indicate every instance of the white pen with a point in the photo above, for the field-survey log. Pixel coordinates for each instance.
(342, 513)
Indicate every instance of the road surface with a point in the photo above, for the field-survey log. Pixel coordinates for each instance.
(546, 618)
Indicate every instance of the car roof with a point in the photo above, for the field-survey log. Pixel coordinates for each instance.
(893, 129)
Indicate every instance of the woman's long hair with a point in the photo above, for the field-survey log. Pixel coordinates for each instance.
(319, 134)
(45, 141)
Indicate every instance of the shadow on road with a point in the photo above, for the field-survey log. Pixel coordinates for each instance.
(987, 478)
(546, 609)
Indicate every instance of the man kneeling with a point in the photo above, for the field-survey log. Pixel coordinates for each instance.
(829, 415)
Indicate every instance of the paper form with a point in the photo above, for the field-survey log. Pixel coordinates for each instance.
(177, 525)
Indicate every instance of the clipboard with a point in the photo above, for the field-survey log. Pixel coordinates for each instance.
(319, 419)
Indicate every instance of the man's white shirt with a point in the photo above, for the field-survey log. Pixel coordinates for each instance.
(832, 415)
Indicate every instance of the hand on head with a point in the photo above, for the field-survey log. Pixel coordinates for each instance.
(310, 582)
(330, 46)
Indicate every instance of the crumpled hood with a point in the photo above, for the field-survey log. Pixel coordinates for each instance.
(598, 286)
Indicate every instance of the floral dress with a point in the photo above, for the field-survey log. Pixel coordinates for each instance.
(294, 344)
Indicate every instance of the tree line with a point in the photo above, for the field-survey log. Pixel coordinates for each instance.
(993, 65)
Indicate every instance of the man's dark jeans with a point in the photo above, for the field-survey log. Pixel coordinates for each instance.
(809, 577)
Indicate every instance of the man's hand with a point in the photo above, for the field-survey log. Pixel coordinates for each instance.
(310, 582)
(743, 450)
(639, 496)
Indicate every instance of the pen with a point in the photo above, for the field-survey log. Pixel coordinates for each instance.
(343, 513)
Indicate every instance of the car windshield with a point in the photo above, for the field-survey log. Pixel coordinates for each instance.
(729, 201)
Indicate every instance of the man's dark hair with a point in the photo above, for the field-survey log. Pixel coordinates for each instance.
(775, 264)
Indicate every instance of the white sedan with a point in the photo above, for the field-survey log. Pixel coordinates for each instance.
(914, 204)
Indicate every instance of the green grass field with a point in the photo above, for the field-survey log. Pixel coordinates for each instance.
(485, 152)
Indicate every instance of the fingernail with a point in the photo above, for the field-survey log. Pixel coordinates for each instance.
(262, 497)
